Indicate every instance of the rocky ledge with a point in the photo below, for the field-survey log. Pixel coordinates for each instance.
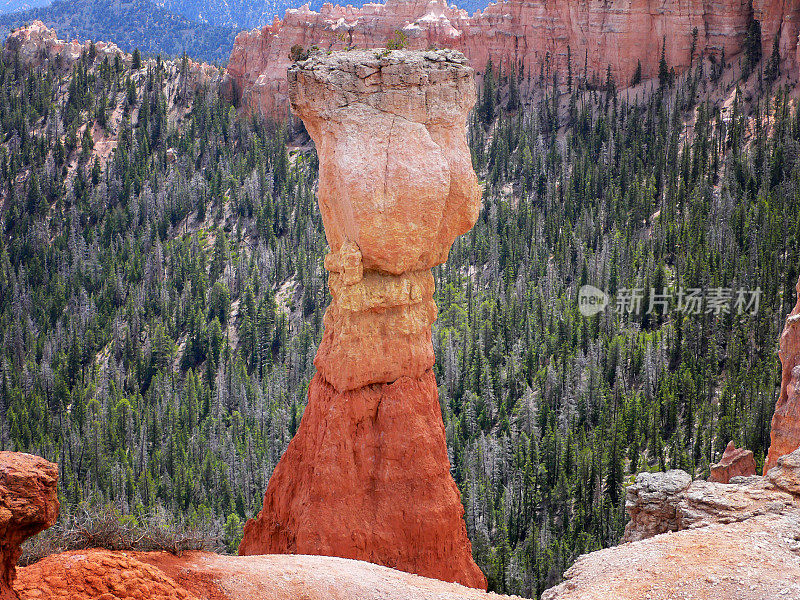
(700, 540)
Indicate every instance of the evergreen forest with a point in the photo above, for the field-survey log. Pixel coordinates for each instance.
(161, 304)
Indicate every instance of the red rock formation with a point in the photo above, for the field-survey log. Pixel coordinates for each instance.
(367, 476)
(785, 433)
(96, 574)
(28, 504)
(519, 33)
(735, 462)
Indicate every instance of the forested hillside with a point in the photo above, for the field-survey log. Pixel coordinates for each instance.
(7, 6)
(161, 305)
(130, 24)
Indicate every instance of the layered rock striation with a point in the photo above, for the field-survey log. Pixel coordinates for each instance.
(785, 431)
(28, 504)
(519, 34)
(367, 476)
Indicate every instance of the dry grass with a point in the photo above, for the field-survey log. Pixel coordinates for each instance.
(106, 527)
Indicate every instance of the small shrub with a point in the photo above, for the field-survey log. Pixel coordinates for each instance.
(106, 527)
(398, 42)
(297, 53)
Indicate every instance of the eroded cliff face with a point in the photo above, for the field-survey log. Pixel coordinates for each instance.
(367, 476)
(785, 432)
(520, 34)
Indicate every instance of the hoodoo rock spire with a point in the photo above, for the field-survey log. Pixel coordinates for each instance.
(367, 476)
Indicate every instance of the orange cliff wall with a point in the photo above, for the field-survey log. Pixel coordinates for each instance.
(616, 33)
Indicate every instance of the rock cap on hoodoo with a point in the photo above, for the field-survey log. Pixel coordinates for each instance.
(432, 86)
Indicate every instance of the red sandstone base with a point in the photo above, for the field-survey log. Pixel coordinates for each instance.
(367, 477)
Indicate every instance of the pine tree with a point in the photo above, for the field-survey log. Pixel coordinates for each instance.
(488, 101)
(637, 74)
(772, 71)
(663, 68)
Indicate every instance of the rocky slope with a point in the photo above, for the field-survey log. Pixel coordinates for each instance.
(521, 34)
(108, 575)
(37, 46)
(131, 24)
(367, 476)
(700, 540)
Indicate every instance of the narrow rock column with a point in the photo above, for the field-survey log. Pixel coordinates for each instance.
(785, 432)
(367, 475)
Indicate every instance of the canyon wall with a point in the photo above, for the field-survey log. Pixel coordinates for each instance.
(367, 475)
(523, 34)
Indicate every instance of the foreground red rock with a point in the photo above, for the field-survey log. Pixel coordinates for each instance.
(28, 504)
(735, 462)
(785, 432)
(518, 33)
(367, 475)
(206, 576)
(100, 574)
(751, 560)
